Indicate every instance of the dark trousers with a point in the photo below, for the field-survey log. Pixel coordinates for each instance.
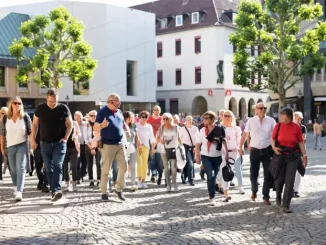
(287, 177)
(81, 163)
(71, 156)
(1, 158)
(212, 166)
(40, 171)
(188, 170)
(90, 164)
(256, 157)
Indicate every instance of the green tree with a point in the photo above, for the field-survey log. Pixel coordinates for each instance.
(59, 50)
(286, 51)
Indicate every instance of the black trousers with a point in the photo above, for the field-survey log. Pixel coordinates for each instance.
(287, 177)
(81, 163)
(90, 164)
(40, 171)
(256, 157)
(70, 157)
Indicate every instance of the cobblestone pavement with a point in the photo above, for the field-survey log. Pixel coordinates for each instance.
(155, 217)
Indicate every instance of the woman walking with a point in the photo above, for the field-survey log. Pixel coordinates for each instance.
(318, 128)
(168, 136)
(209, 152)
(3, 111)
(145, 136)
(15, 129)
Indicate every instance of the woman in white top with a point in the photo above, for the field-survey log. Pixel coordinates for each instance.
(188, 135)
(168, 136)
(209, 152)
(232, 138)
(82, 163)
(15, 129)
(145, 136)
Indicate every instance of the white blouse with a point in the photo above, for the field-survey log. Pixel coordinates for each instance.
(201, 139)
(16, 132)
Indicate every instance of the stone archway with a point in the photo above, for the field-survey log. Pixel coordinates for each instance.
(259, 101)
(233, 106)
(199, 105)
(242, 108)
(251, 110)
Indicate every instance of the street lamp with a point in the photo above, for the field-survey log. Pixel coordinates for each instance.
(67, 99)
(300, 94)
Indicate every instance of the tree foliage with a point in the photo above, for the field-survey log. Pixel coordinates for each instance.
(59, 50)
(286, 52)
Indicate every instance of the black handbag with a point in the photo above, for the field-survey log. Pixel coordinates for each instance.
(227, 171)
(170, 152)
(301, 168)
(323, 133)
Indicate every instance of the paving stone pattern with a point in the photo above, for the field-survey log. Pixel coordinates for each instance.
(154, 216)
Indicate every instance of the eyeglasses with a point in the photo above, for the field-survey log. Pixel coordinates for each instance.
(17, 103)
(165, 118)
(262, 108)
(144, 117)
(92, 115)
(227, 116)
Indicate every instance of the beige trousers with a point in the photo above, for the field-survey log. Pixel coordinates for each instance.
(110, 153)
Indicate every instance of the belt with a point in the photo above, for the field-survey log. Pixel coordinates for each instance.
(256, 149)
(231, 150)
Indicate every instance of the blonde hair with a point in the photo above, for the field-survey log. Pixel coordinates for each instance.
(10, 111)
(233, 123)
(4, 110)
(168, 115)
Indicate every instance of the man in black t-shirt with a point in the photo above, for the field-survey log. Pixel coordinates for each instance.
(55, 123)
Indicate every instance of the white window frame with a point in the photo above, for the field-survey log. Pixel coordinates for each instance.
(192, 18)
(234, 15)
(164, 20)
(180, 18)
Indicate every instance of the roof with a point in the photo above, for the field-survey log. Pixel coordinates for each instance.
(9, 30)
(212, 12)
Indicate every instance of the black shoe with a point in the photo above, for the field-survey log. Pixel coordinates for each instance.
(98, 183)
(159, 181)
(105, 198)
(217, 188)
(91, 184)
(192, 183)
(202, 175)
(78, 182)
(183, 182)
(287, 210)
(296, 194)
(153, 179)
(39, 186)
(120, 195)
(56, 196)
(45, 189)
(30, 173)
(231, 184)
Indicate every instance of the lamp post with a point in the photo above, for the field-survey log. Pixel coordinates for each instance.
(300, 94)
(67, 99)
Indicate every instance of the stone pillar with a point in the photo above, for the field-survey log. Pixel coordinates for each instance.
(308, 98)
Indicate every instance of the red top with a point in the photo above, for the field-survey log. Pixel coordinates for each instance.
(156, 123)
(289, 134)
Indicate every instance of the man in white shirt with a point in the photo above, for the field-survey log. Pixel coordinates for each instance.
(260, 128)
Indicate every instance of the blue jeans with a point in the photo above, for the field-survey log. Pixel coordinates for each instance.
(53, 154)
(212, 166)
(238, 170)
(114, 173)
(17, 155)
(156, 165)
(188, 170)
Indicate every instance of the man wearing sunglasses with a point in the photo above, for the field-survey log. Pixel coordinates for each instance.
(260, 128)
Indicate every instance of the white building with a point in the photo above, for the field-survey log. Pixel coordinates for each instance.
(123, 42)
(192, 39)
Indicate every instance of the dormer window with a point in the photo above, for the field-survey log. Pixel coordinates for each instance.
(195, 18)
(234, 15)
(179, 20)
(164, 23)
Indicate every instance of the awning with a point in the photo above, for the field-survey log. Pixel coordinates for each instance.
(320, 98)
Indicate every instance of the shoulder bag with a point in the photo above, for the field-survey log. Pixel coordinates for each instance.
(277, 160)
(170, 152)
(227, 172)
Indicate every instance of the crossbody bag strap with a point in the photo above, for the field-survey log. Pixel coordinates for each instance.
(192, 144)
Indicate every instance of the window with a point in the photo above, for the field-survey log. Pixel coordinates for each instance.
(195, 18)
(179, 20)
(252, 50)
(234, 48)
(178, 77)
(252, 77)
(197, 45)
(198, 75)
(178, 47)
(159, 78)
(161, 103)
(2, 76)
(159, 49)
(234, 15)
(131, 77)
(164, 23)
(174, 106)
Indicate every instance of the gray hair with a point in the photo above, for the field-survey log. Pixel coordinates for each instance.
(113, 96)
(298, 114)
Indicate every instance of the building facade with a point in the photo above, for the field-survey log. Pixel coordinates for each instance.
(194, 58)
(123, 42)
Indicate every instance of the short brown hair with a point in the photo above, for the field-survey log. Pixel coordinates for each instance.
(146, 113)
(210, 114)
(52, 92)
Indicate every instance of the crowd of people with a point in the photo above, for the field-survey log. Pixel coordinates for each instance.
(62, 148)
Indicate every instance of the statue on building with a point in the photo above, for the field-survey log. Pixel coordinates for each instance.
(219, 69)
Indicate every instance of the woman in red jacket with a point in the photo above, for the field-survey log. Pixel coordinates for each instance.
(290, 144)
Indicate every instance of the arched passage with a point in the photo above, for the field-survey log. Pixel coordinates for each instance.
(233, 106)
(242, 108)
(199, 105)
(251, 110)
(259, 101)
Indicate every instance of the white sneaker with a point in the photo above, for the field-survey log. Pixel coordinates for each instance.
(18, 196)
(1, 182)
(69, 188)
(241, 190)
(134, 188)
(74, 187)
(168, 188)
(144, 185)
(140, 185)
(211, 202)
(14, 191)
(175, 187)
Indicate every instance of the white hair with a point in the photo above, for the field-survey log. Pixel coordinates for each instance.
(298, 114)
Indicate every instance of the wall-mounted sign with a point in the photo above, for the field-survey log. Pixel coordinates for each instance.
(210, 92)
(228, 92)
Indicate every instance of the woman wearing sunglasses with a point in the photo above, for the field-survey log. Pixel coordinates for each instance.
(145, 136)
(168, 136)
(15, 129)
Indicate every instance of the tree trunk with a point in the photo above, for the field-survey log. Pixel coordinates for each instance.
(282, 101)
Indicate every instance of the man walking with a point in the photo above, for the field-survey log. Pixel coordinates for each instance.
(55, 122)
(260, 128)
(110, 122)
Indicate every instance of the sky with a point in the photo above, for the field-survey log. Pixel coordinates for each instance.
(122, 3)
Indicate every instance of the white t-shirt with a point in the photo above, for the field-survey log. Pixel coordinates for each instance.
(193, 131)
(16, 132)
(201, 139)
(232, 137)
(145, 134)
(260, 132)
(171, 136)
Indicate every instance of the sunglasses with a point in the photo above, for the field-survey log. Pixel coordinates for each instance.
(17, 103)
(144, 117)
(165, 118)
(91, 115)
(262, 108)
(227, 116)
(3, 113)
